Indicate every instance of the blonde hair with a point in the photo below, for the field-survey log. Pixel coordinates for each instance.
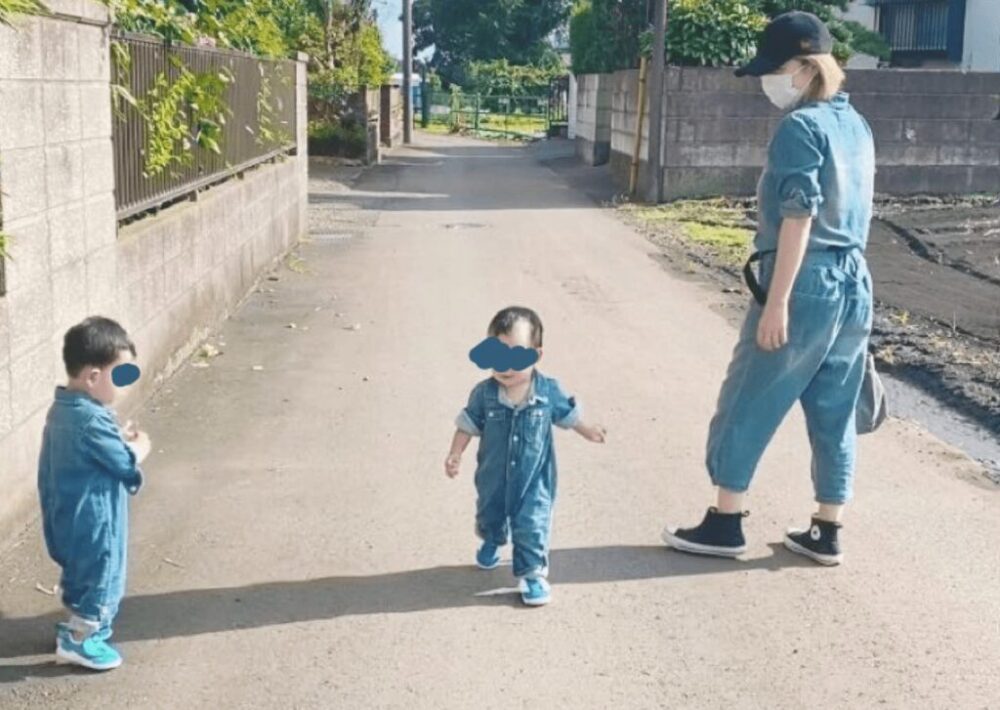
(828, 77)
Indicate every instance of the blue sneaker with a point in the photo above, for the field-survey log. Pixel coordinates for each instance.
(93, 652)
(488, 556)
(536, 591)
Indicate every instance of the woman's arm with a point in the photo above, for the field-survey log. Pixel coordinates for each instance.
(772, 331)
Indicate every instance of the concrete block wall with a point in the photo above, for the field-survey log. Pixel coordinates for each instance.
(391, 116)
(935, 132)
(592, 119)
(166, 279)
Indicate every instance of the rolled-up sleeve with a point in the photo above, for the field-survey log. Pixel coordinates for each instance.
(566, 411)
(108, 451)
(794, 161)
(472, 418)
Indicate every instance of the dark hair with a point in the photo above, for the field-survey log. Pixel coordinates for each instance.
(504, 322)
(96, 342)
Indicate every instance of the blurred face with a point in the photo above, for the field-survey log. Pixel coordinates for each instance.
(520, 335)
(97, 382)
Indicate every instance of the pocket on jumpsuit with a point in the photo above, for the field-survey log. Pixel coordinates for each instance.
(814, 304)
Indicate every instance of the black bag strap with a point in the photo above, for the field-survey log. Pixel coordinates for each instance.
(759, 294)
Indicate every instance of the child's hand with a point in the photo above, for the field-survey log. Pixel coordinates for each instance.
(140, 445)
(129, 431)
(595, 434)
(452, 464)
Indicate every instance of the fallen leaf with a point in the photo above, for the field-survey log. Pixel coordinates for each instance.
(208, 351)
(291, 326)
(45, 590)
(172, 563)
(200, 365)
(258, 368)
(356, 326)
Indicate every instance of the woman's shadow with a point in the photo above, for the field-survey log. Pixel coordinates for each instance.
(203, 611)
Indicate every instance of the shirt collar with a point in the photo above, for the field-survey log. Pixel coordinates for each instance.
(533, 396)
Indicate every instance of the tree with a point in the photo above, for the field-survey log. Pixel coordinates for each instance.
(464, 31)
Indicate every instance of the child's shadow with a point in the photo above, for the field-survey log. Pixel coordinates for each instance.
(203, 611)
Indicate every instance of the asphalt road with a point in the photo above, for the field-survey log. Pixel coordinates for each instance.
(299, 546)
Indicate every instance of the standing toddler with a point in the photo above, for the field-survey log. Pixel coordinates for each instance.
(512, 413)
(87, 469)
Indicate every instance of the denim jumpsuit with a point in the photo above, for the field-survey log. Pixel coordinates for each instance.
(516, 466)
(85, 475)
(821, 164)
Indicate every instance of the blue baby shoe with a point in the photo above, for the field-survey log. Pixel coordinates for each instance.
(488, 556)
(93, 652)
(536, 591)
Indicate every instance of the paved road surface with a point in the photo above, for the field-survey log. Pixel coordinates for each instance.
(298, 545)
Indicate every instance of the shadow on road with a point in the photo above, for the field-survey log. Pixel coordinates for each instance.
(203, 611)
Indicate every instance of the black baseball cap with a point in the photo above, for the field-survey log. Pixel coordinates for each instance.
(786, 37)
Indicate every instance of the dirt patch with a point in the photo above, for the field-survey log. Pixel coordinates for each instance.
(936, 267)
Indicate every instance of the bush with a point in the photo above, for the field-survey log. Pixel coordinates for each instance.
(501, 78)
(346, 139)
(711, 33)
(604, 35)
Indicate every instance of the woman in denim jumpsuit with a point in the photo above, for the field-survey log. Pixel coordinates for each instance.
(808, 343)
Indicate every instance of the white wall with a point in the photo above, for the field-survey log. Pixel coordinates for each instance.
(982, 35)
(859, 12)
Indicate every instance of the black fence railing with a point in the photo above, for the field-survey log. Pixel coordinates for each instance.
(915, 26)
(159, 159)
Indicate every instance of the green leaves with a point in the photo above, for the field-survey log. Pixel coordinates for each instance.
(9, 9)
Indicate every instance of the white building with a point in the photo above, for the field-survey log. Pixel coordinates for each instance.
(959, 34)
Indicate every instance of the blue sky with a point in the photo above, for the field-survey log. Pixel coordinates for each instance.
(392, 29)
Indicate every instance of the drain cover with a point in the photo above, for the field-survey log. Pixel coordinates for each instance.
(331, 236)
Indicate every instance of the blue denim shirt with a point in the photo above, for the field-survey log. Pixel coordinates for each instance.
(820, 164)
(517, 440)
(85, 473)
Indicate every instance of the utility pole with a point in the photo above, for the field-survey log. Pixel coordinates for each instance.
(407, 71)
(656, 75)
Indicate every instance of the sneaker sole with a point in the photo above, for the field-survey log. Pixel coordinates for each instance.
(535, 602)
(480, 565)
(677, 543)
(825, 560)
(76, 659)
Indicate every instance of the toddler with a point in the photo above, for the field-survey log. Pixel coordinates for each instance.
(513, 412)
(87, 468)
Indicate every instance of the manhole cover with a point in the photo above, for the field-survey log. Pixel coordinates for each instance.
(464, 225)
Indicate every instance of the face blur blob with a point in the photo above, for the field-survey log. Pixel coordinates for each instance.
(100, 381)
(520, 335)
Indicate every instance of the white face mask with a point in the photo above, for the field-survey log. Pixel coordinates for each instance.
(781, 89)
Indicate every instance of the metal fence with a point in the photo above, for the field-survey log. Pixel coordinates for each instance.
(525, 117)
(915, 26)
(260, 118)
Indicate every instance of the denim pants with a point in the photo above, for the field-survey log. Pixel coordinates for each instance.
(822, 366)
(519, 510)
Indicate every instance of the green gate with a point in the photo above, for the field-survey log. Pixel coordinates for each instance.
(525, 117)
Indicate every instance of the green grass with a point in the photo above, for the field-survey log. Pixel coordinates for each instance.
(718, 225)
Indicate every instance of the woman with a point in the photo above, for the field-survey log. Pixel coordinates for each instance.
(809, 341)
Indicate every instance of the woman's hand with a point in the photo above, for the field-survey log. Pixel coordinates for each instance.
(772, 330)
(452, 464)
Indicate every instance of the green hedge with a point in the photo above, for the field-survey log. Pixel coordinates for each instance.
(344, 139)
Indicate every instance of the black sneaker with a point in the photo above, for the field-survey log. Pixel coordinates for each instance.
(720, 535)
(818, 543)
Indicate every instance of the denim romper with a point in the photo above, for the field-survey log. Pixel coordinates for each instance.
(821, 164)
(516, 466)
(86, 473)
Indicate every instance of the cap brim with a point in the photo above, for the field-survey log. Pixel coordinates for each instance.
(759, 66)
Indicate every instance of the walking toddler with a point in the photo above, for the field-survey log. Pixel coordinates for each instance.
(87, 469)
(512, 413)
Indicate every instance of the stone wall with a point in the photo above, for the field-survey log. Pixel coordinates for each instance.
(167, 279)
(935, 132)
(592, 120)
(391, 116)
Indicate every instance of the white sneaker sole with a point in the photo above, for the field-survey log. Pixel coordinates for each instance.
(76, 659)
(671, 540)
(487, 567)
(536, 602)
(826, 560)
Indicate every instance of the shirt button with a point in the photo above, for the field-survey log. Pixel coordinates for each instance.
(515, 437)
